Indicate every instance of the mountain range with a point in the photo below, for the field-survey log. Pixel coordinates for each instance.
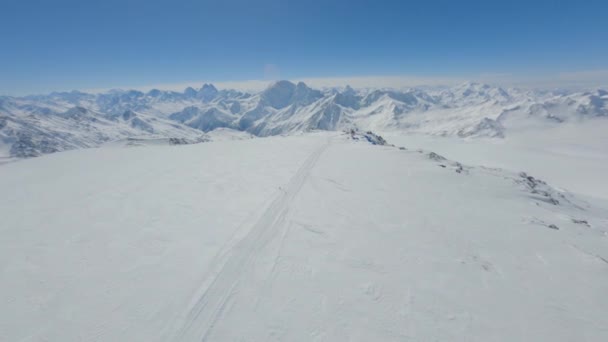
(40, 124)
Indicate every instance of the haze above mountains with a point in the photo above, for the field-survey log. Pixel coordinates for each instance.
(35, 125)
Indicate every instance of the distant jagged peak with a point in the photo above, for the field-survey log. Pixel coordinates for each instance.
(483, 91)
(64, 93)
(208, 87)
(283, 93)
(154, 93)
(474, 84)
(302, 85)
(348, 97)
(207, 92)
(409, 98)
(348, 90)
(73, 96)
(120, 95)
(477, 87)
(591, 93)
(190, 92)
(302, 89)
(133, 93)
(282, 86)
(279, 94)
(303, 92)
(470, 88)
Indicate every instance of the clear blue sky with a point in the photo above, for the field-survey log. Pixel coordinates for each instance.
(63, 44)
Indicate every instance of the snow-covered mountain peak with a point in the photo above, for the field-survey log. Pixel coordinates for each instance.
(468, 110)
(209, 88)
(279, 94)
(154, 93)
(348, 90)
(283, 93)
(468, 88)
(207, 92)
(470, 93)
(190, 92)
(305, 95)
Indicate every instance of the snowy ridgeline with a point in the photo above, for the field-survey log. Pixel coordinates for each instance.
(34, 125)
(328, 236)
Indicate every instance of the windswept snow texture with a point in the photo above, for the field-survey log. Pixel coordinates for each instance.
(573, 155)
(321, 236)
(35, 125)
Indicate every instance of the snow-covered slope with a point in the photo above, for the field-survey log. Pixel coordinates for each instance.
(36, 125)
(573, 155)
(319, 236)
(28, 134)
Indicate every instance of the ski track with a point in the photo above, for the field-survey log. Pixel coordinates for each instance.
(210, 306)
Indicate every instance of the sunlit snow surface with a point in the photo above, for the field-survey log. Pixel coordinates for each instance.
(571, 156)
(310, 237)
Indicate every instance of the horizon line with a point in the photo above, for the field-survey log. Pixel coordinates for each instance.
(562, 80)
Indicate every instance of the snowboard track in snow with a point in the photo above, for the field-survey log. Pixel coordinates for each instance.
(212, 303)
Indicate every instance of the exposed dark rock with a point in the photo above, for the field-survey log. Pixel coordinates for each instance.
(434, 156)
(583, 222)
